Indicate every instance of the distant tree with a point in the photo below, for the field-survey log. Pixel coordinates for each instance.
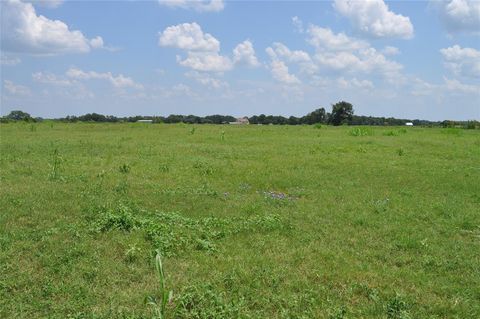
(342, 112)
(317, 116)
(19, 116)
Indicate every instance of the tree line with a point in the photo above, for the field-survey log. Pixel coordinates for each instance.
(342, 114)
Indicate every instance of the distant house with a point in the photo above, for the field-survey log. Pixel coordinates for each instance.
(409, 124)
(241, 120)
(145, 121)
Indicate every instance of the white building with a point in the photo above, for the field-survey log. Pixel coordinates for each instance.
(409, 124)
(145, 121)
(241, 120)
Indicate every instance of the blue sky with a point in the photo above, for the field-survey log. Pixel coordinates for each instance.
(408, 59)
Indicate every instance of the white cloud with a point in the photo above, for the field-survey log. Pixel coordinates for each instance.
(280, 73)
(188, 36)
(206, 61)
(50, 78)
(340, 53)
(207, 80)
(459, 87)
(462, 61)
(280, 50)
(119, 81)
(298, 24)
(374, 18)
(26, 32)
(355, 83)
(302, 58)
(197, 5)
(8, 60)
(15, 89)
(325, 39)
(389, 50)
(47, 3)
(422, 88)
(459, 15)
(202, 48)
(245, 54)
(97, 42)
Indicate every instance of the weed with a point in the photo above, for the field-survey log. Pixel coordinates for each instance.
(381, 206)
(192, 130)
(318, 126)
(338, 313)
(55, 165)
(400, 152)
(390, 133)
(205, 302)
(174, 233)
(132, 253)
(160, 305)
(361, 149)
(124, 168)
(222, 135)
(361, 131)
(452, 131)
(397, 308)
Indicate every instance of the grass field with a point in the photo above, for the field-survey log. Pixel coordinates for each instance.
(252, 221)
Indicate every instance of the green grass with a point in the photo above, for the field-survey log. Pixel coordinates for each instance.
(252, 221)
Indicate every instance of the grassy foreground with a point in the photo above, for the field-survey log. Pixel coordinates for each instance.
(253, 221)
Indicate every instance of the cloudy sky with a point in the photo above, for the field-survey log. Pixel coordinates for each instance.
(407, 59)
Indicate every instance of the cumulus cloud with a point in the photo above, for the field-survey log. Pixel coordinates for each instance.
(374, 18)
(202, 49)
(244, 53)
(206, 61)
(325, 39)
(462, 61)
(279, 51)
(389, 50)
(188, 36)
(341, 53)
(26, 32)
(96, 42)
(119, 81)
(197, 5)
(47, 3)
(15, 89)
(280, 73)
(459, 15)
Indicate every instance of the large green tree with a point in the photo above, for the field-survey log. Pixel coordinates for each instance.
(19, 116)
(342, 112)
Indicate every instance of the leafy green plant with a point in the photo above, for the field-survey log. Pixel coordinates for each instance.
(400, 152)
(192, 130)
(124, 168)
(361, 131)
(160, 305)
(397, 308)
(55, 165)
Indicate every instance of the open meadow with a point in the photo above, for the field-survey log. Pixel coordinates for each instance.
(252, 221)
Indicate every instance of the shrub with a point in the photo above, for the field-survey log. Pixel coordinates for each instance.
(361, 131)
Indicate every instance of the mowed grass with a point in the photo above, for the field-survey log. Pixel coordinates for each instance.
(253, 221)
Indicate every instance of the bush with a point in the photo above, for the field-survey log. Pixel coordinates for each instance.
(361, 131)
